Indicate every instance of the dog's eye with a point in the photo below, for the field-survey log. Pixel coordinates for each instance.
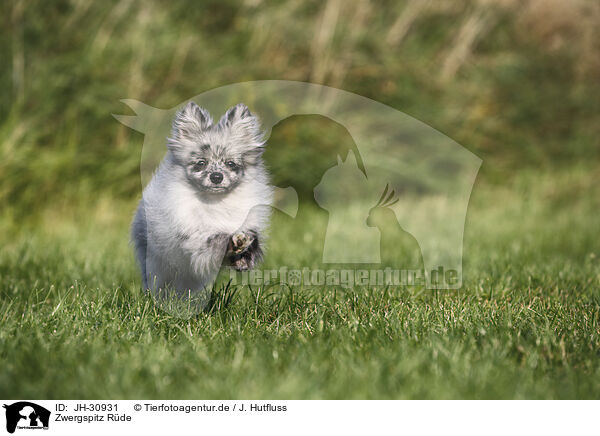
(231, 164)
(199, 165)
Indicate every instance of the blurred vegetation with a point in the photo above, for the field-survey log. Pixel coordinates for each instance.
(515, 82)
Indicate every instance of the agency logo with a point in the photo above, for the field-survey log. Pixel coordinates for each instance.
(394, 194)
(26, 415)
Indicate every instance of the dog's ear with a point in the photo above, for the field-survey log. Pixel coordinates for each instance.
(237, 114)
(240, 121)
(244, 129)
(189, 121)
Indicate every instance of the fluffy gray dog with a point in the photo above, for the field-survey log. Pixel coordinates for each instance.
(207, 204)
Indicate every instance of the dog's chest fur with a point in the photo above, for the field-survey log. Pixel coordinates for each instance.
(217, 215)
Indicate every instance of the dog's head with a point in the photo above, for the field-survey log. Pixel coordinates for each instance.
(216, 157)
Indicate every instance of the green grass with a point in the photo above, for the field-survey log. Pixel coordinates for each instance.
(526, 324)
(73, 320)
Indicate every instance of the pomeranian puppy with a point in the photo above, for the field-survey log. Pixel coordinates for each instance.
(208, 204)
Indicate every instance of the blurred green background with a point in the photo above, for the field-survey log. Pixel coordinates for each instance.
(515, 82)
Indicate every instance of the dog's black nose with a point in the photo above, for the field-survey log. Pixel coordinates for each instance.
(216, 178)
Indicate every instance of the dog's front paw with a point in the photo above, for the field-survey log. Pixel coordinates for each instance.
(240, 242)
(241, 263)
(244, 250)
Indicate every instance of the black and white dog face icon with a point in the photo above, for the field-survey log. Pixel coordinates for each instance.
(26, 414)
